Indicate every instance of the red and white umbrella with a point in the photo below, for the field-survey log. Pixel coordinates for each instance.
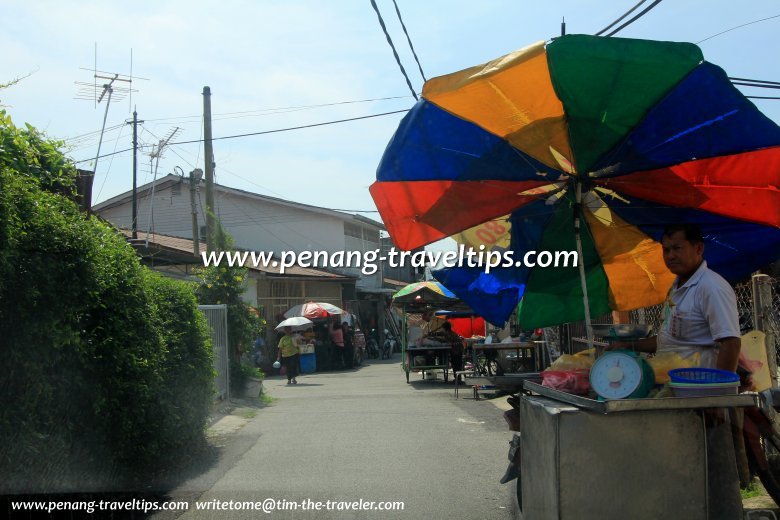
(314, 310)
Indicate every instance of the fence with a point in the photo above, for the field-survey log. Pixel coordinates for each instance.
(217, 318)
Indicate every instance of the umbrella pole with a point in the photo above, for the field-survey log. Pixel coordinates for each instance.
(581, 263)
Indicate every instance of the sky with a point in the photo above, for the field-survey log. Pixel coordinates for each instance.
(273, 65)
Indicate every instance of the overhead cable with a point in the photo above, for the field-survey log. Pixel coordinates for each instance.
(395, 53)
(737, 27)
(635, 18)
(276, 110)
(398, 12)
(756, 85)
(263, 132)
(608, 27)
(755, 82)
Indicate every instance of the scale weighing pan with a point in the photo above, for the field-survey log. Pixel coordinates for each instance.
(622, 330)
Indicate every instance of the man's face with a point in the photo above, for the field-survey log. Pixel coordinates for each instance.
(680, 256)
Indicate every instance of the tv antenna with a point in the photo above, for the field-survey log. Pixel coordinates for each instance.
(154, 156)
(113, 87)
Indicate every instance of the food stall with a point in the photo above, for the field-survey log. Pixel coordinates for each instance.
(609, 447)
(418, 303)
(639, 458)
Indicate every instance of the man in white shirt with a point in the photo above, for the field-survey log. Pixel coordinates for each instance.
(700, 317)
(700, 312)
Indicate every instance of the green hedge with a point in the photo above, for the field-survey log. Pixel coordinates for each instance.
(107, 374)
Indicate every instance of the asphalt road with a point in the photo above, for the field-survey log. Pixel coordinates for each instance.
(357, 435)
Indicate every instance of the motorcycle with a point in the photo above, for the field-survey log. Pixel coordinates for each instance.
(372, 345)
(389, 345)
(359, 342)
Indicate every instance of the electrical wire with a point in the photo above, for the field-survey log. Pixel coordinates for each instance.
(737, 27)
(755, 81)
(395, 53)
(755, 85)
(263, 132)
(635, 18)
(608, 27)
(398, 12)
(266, 111)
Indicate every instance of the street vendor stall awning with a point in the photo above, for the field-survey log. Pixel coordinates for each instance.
(584, 143)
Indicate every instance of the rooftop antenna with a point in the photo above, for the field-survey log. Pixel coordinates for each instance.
(109, 85)
(155, 155)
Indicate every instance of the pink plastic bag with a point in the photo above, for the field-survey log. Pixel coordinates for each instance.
(571, 381)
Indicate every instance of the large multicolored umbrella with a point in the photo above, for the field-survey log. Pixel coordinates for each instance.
(421, 293)
(617, 136)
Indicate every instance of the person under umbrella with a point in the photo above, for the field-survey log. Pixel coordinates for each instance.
(289, 354)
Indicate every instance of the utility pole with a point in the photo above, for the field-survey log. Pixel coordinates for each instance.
(135, 175)
(195, 176)
(209, 158)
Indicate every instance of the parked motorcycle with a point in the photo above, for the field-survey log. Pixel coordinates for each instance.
(372, 345)
(359, 342)
(389, 345)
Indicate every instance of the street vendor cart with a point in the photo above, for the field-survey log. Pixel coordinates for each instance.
(427, 358)
(424, 298)
(584, 459)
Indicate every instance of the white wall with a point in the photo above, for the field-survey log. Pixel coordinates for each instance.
(258, 225)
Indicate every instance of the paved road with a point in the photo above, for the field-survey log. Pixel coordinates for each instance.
(364, 434)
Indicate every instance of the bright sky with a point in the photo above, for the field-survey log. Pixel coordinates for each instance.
(272, 65)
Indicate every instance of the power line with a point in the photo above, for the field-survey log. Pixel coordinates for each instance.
(737, 27)
(398, 12)
(296, 127)
(263, 132)
(608, 27)
(756, 81)
(395, 53)
(635, 18)
(265, 111)
(756, 85)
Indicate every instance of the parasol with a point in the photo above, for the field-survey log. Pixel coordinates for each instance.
(314, 310)
(296, 322)
(423, 292)
(584, 144)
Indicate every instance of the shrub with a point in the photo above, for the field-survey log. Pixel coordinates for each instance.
(107, 373)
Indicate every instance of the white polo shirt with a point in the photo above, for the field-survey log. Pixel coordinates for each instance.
(697, 314)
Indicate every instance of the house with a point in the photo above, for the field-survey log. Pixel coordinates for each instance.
(269, 225)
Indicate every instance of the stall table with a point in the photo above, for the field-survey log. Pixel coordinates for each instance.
(440, 352)
(527, 360)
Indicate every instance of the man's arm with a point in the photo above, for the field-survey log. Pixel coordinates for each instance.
(728, 353)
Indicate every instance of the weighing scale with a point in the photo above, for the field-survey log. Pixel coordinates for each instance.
(621, 374)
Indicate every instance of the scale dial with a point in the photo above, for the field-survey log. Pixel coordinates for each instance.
(616, 375)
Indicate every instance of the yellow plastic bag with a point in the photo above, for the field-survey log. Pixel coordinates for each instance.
(571, 362)
(663, 362)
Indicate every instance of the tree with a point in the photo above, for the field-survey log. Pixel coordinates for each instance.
(224, 284)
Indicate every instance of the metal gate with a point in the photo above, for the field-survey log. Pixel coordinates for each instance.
(217, 318)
